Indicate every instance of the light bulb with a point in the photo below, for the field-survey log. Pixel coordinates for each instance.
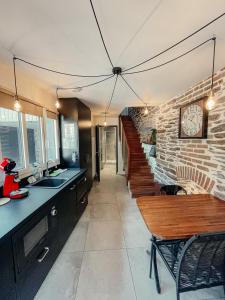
(210, 103)
(146, 111)
(57, 104)
(105, 123)
(17, 105)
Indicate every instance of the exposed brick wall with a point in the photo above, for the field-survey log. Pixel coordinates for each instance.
(205, 159)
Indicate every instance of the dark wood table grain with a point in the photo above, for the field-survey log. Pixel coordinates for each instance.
(179, 217)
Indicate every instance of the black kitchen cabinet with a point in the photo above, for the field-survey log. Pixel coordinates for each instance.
(71, 204)
(35, 250)
(75, 136)
(67, 212)
(7, 282)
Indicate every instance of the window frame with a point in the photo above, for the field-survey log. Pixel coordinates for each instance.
(27, 169)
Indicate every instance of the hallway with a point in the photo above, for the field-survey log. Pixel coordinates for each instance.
(105, 257)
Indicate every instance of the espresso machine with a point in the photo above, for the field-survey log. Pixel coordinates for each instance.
(11, 187)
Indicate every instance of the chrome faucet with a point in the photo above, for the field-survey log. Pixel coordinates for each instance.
(47, 167)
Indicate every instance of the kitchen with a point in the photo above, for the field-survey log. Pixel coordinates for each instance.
(112, 150)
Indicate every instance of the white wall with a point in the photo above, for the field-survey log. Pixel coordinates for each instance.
(111, 121)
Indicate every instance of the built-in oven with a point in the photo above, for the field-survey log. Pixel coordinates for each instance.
(35, 250)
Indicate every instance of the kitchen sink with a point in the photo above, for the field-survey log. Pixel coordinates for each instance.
(50, 182)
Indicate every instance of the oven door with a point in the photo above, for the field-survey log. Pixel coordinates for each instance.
(35, 250)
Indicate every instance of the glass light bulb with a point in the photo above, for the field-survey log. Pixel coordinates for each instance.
(57, 104)
(17, 105)
(210, 103)
(105, 123)
(146, 111)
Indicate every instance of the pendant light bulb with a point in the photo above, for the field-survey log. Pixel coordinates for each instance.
(210, 104)
(105, 123)
(146, 111)
(17, 105)
(57, 104)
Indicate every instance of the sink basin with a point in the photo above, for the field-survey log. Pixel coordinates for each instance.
(50, 182)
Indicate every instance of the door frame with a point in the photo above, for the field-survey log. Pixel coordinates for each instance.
(98, 167)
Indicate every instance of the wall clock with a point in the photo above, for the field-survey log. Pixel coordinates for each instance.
(193, 121)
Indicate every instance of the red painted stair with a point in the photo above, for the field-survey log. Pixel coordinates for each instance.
(140, 178)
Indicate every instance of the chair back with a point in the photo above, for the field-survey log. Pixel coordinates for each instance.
(172, 189)
(202, 262)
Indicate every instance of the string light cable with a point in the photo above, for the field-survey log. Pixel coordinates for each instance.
(177, 43)
(100, 32)
(58, 72)
(17, 105)
(87, 85)
(113, 91)
(171, 60)
(130, 87)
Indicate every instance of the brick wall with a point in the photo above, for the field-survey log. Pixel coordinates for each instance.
(198, 165)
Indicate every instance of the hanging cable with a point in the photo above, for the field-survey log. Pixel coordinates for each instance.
(176, 44)
(130, 87)
(99, 29)
(210, 103)
(17, 105)
(57, 72)
(213, 65)
(110, 101)
(171, 60)
(87, 85)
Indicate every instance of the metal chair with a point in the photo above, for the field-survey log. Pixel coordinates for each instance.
(172, 189)
(195, 263)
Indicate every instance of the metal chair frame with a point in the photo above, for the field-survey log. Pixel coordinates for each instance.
(186, 244)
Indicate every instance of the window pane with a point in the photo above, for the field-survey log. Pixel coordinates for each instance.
(34, 140)
(51, 139)
(11, 136)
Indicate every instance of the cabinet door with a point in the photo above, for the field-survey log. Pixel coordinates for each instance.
(7, 284)
(67, 212)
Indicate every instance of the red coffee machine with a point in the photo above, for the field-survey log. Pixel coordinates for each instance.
(11, 182)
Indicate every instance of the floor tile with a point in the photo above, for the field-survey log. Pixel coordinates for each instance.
(62, 279)
(107, 212)
(104, 235)
(102, 198)
(76, 241)
(136, 234)
(105, 275)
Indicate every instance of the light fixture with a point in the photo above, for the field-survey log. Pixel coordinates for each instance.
(17, 105)
(210, 103)
(57, 103)
(146, 110)
(105, 123)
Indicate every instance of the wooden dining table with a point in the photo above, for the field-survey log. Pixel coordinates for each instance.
(182, 216)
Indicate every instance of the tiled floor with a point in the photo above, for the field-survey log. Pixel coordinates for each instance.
(105, 257)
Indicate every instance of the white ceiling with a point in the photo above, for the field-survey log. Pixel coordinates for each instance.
(63, 35)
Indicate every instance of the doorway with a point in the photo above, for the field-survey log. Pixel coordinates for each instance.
(106, 149)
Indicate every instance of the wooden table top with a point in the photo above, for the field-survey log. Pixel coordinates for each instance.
(178, 217)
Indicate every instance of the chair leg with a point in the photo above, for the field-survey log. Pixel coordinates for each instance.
(156, 271)
(151, 261)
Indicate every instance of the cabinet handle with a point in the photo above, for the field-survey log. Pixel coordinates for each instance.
(45, 252)
(54, 212)
(73, 187)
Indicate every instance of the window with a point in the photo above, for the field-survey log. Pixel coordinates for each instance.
(11, 144)
(51, 139)
(34, 138)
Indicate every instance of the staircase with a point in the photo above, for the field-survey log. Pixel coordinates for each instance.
(139, 176)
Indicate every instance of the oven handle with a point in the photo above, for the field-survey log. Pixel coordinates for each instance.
(45, 252)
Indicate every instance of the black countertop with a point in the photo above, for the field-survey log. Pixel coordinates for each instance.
(16, 212)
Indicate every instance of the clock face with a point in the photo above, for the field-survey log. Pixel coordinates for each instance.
(191, 121)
